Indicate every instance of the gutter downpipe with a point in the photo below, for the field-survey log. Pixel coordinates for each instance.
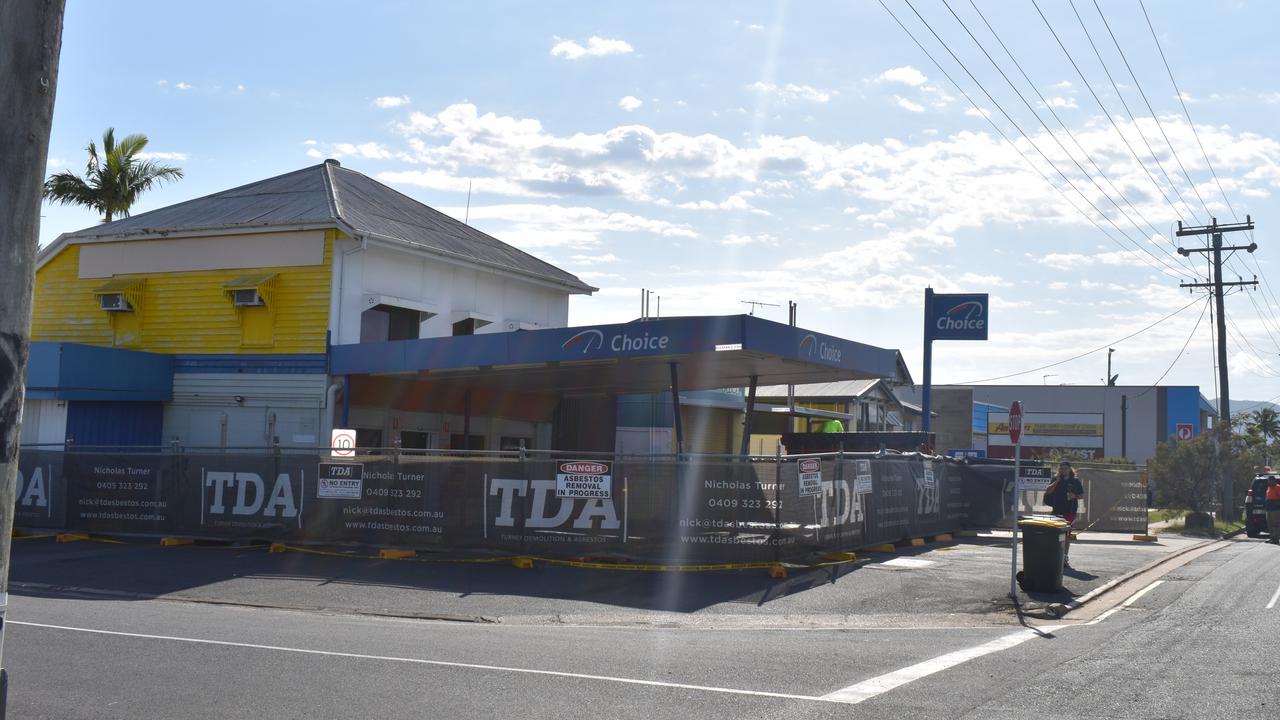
(330, 407)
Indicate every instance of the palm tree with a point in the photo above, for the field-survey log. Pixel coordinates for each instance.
(113, 180)
(1266, 422)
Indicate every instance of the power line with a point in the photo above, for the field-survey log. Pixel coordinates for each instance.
(1073, 358)
(1051, 134)
(1150, 109)
(1105, 112)
(1180, 352)
(1186, 112)
(1138, 246)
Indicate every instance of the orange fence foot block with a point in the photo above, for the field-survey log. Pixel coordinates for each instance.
(71, 537)
(944, 537)
(175, 541)
(887, 547)
(1146, 538)
(523, 563)
(396, 554)
(777, 571)
(917, 542)
(840, 557)
(278, 548)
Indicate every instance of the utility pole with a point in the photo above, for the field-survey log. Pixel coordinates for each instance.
(30, 44)
(1111, 379)
(1215, 231)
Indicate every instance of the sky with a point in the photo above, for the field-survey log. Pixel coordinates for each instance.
(724, 152)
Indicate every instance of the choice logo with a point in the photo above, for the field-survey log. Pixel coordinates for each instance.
(811, 346)
(965, 316)
(589, 339)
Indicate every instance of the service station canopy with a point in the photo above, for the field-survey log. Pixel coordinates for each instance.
(708, 353)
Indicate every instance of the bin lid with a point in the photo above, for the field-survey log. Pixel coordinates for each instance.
(1047, 521)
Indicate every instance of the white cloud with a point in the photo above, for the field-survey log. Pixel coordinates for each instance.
(308, 142)
(1186, 98)
(162, 83)
(314, 153)
(148, 155)
(905, 74)
(594, 259)
(387, 102)
(975, 112)
(532, 225)
(1063, 85)
(595, 47)
(755, 28)
(906, 104)
(792, 92)
(1061, 102)
(240, 87)
(183, 86)
(759, 239)
(630, 103)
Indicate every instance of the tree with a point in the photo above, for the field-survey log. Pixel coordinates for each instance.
(1265, 423)
(113, 180)
(30, 46)
(1184, 473)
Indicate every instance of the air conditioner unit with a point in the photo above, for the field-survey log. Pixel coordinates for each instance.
(114, 302)
(247, 298)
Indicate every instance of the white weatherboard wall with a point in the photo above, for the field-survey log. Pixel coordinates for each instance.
(206, 413)
(443, 288)
(44, 422)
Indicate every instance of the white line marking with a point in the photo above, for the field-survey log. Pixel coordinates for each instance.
(1136, 596)
(420, 661)
(868, 689)
(1104, 616)
(1274, 598)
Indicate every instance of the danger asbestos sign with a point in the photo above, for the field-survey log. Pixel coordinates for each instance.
(584, 479)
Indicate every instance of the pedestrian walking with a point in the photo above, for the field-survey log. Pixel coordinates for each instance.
(1273, 510)
(1063, 496)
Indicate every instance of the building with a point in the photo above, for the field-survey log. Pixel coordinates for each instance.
(242, 292)
(1082, 421)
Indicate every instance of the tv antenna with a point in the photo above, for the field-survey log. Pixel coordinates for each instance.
(756, 303)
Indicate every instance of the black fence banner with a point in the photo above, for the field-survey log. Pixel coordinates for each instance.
(700, 509)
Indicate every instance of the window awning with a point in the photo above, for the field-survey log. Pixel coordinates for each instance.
(119, 286)
(264, 283)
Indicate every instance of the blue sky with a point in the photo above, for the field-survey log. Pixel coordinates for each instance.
(718, 152)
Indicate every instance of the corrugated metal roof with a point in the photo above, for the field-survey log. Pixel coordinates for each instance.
(329, 194)
(847, 388)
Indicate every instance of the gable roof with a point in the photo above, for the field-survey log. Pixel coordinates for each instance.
(329, 195)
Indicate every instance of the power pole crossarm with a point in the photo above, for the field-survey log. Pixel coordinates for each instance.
(30, 45)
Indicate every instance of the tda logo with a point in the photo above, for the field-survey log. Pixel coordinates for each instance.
(33, 487)
(544, 510)
(247, 494)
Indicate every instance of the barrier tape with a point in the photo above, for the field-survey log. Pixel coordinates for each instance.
(509, 558)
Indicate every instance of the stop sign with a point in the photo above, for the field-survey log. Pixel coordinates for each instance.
(1015, 422)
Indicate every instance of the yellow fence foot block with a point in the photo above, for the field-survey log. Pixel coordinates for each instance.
(278, 548)
(71, 537)
(523, 563)
(917, 542)
(175, 541)
(944, 537)
(396, 554)
(840, 557)
(1146, 538)
(887, 547)
(777, 571)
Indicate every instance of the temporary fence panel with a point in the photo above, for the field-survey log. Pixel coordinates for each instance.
(700, 509)
(1115, 500)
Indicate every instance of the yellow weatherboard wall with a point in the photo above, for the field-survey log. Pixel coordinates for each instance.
(187, 312)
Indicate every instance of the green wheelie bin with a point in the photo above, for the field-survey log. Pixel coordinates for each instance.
(1044, 540)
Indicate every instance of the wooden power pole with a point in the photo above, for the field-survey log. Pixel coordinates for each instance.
(30, 43)
(1216, 248)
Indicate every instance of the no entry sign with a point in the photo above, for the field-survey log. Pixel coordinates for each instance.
(1015, 422)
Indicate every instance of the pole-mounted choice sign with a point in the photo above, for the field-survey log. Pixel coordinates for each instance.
(950, 317)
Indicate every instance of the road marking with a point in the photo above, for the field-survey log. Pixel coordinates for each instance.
(868, 689)
(421, 661)
(1274, 598)
(1136, 596)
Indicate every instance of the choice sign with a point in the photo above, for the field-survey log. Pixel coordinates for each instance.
(1015, 422)
(958, 317)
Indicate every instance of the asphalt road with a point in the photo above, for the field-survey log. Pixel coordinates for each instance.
(1200, 643)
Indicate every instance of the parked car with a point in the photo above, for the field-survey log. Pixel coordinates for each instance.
(1255, 512)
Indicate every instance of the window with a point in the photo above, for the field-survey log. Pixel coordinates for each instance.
(366, 438)
(252, 296)
(515, 443)
(456, 442)
(388, 322)
(121, 300)
(465, 327)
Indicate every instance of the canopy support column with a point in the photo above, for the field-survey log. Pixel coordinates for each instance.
(675, 406)
(751, 411)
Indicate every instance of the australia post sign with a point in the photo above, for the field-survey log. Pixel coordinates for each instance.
(957, 317)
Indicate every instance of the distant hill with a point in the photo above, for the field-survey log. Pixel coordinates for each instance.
(1248, 406)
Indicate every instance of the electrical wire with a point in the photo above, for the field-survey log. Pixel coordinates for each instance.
(1045, 125)
(1087, 353)
(1176, 270)
(1191, 183)
(1156, 384)
(1105, 112)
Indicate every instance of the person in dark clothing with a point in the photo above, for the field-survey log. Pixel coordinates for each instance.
(1063, 496)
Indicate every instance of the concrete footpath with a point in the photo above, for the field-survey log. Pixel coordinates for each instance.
(961, 582)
